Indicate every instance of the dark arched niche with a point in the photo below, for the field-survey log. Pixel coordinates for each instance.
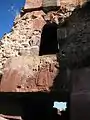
(49, 44)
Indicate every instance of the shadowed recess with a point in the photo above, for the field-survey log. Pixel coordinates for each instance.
(49, 44)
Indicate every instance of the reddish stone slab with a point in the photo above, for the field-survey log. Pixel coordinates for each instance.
(29, 74)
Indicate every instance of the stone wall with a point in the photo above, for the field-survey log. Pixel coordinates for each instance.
(25, 71)
(25, 36)
(45, 3)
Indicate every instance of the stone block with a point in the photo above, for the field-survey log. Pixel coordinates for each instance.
(32, 4)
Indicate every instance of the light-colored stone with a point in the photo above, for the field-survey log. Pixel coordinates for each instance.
(25, 34)
(72, 3)
(31, 4)
(51, 3)
(38, 23)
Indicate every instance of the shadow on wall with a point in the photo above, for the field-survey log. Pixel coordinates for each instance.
(74, 61)
(74, 53)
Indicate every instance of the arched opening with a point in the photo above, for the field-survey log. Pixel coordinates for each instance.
(49, 44)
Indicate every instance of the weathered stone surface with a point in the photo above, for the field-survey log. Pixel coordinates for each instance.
(29, 74)
(25, 36)
(72, 2)
(24, 39)
(30, 4)
(38, 23)
(75, 49)
(47, 3)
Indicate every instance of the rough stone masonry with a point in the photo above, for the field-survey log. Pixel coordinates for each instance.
(24, 40)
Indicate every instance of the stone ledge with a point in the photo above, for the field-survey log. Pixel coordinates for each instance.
(37, 4)
(32, 4)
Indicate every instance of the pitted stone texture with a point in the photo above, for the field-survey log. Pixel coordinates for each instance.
(24, 38)
(72, 4)
(32, 4)
(38, 23)
(29, 74)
